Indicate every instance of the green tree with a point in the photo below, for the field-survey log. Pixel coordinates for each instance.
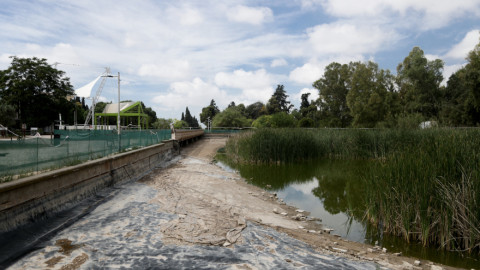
(368, 99)
(209, 112)
(263, 121)
(152, 115)
(162, 123)
(278, 102)
(230, 117)
(255, 110)
(180, 124)
(333, 88)
(419, 81)
(282, 120)
(36, 90)
(7, 115)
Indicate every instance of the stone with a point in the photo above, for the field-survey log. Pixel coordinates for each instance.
(299, 211)
(312, 231)
(398, 254)
(340, 250)
(384, 250)
(436, 267)
(417, 263)
(283, 214)
(226, 244)
(275, 210)
(370, 250)
(327, 230)
(301, 227)
(335, 243)
(268, 186)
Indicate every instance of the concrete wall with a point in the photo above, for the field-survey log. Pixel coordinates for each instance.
(36, 196)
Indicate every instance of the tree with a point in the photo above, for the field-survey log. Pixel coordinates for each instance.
(209, 112)
(419, 81)
(368, 97)
(31, 86)
(162, 123)
(333, 88)
(230, 117)
(255, 110)
(7, 115)
(278, 102)
(152, 115)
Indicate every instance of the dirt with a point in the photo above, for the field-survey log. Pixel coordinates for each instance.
(213, 207)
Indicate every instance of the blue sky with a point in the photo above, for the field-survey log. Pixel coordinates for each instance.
(173, 54)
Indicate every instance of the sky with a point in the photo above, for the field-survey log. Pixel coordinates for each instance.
(174, 54)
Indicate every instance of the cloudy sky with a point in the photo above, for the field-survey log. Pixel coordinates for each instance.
(173, 54)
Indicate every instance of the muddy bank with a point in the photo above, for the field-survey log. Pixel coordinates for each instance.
(194, 214)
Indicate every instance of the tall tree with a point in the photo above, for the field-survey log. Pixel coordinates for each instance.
(255, 110)
(419, 81)
(209, 112)
(368, 97)
(333, 88)
(278, 102)
(31, 86)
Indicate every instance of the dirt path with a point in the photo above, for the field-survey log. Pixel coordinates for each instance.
(214, 205)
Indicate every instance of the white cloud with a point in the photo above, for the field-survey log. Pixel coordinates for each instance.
(173, 70)
(342, 38)
(250, 15)
(307, 74)
(195, 94)
(426, 14)
(279, 62)
(448, 70)
(461, 50)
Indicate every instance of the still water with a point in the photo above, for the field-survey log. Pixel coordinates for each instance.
(332, 190)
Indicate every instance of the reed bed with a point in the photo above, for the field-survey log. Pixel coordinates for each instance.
(422, 185)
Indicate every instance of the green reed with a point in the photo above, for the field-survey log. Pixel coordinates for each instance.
(422, 185)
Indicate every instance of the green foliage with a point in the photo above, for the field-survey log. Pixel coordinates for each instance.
(419, 82)
(230, 117)
(278, 102)
(7, 115)
(209, 112)
(306, 123)
(179, 124)
(191, 121)
(263, 121)
(255, 110)
(162, 123)
(333, 88)
(31, 86)
(282, 120)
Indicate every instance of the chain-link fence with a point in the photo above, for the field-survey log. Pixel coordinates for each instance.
(18, 157)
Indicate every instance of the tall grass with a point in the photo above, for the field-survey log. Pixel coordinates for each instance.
(422, 185)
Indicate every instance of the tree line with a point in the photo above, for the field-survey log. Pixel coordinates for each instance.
(360, 94)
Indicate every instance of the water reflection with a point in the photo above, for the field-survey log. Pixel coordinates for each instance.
(333, 191)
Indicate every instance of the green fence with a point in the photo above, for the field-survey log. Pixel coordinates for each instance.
(66, 148)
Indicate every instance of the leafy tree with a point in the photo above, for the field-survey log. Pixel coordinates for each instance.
(232, 104)
(305, 103)
(333, 88)
(278, 102)
(282, 120)
(255, 110)
(7, 115)
(179, 124)
(368, 97)
(162, 123)
(263, 121)
(152, 115)
(209, 112)
(32, 86)
(230, 117)
(419, 81)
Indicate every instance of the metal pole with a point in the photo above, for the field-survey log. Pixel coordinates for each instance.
(118, 116)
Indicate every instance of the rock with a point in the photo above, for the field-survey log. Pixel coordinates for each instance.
(370, 250)
(301, 227)
(436, 267)
(327, 230)
(299, 211)
(241, 221)
(268, 186)
(312, 231)
(336, 235)
(288, 260)
(384, 250)
(283, 214)
(335, 243)
(397, 254)
(340, 250)
(226, 244)
(417, 263)
(275, 210)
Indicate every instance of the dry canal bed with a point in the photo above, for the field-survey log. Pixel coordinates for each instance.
(195, 215)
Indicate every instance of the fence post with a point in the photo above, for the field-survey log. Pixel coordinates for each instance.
(37, 155)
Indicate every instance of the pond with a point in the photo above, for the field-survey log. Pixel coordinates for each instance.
(332, 191)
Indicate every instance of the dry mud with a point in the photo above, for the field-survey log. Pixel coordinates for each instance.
(195, 215)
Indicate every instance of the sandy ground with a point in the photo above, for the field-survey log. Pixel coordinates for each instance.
(213, 206)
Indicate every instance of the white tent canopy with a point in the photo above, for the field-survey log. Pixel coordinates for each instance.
(86, 90)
